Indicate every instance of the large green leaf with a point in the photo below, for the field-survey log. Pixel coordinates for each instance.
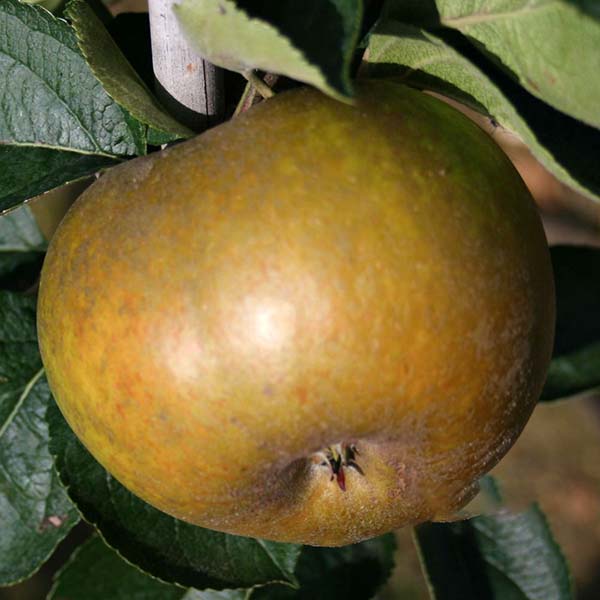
(312, 41)
(575, 365)
(448, 64)
(21, 240)
(115, 73)
(35, 512)
(505, 556)
(95, 572)
(49, 96)
(550, 46)
(26, 171)
(165, 547)
(190, 556)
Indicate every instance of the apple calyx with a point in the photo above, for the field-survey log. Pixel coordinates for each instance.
(336, 458)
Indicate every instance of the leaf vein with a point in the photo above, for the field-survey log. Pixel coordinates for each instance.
(24, 395)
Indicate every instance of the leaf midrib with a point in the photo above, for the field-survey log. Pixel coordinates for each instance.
(480, 17)
(24, 395)
(24, 248)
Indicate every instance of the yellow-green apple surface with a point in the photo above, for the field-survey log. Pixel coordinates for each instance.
(314, 323)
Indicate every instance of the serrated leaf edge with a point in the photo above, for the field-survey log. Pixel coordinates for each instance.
(30, 385)
(321, 82)
(291, 582)
(183, 130)
(540, 152)
(59, 22)
(67, 488)
(33, 8)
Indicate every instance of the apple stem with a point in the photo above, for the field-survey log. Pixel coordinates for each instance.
(251, 95)
(247, 99)
(261, 86)
(190, 87)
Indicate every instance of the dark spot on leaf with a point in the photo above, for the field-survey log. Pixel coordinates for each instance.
(533, 84)
(52, 521)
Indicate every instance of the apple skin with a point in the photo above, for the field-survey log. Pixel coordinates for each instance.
(213, 316)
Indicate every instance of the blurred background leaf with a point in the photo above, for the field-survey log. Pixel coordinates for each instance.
(506, 556)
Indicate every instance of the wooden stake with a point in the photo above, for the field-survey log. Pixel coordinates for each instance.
(190, 87)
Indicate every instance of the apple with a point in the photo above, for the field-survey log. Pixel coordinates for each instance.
(314, 323)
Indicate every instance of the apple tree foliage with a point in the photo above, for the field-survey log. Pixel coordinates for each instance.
(76, 98)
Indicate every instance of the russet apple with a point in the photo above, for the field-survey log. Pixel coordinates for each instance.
(314, 323)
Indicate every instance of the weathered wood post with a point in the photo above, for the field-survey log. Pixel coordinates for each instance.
(190, 87)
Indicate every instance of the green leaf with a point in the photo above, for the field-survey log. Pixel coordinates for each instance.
(115, 73)
(155, 137)
(575, 365)
(490, 489)
(96, 572)
(26, 172)
(161, 545)
(573, 373)
(21, 240)
(48, 94)
(446, 63)
(223, 595)
(34, 510)
(551, 47)
(20, 360)
(353, 572)
(311, 42)
(507, 556)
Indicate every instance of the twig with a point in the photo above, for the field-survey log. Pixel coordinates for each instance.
(261, 87)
